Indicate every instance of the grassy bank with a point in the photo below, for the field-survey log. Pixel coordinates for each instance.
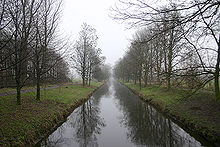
(199, 112)
(23, 125)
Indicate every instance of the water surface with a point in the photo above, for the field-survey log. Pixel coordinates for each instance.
(115, 117)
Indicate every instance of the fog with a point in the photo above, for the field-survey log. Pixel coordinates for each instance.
(113, 37)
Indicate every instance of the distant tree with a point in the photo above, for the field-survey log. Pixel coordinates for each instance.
(103, 72)
(86, 56)
(94, 60)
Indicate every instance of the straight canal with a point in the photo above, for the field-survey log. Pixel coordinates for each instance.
(115, 117)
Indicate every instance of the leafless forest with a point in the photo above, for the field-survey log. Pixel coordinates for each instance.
(32, 50)
(177, 43)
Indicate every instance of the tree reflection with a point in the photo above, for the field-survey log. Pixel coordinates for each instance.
(82, 126)
(87, 124)
(57, 138)
(145, 126)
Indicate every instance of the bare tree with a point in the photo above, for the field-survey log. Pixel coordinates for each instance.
(197, 23)
(22, 13)
(84, 50)
(30, 48)
(94, 60)
(103, 72)
(46, 23)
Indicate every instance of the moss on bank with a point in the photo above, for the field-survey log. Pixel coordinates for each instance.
(199, 112)
(24, 125)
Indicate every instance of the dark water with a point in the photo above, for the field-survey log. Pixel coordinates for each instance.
(115, 117)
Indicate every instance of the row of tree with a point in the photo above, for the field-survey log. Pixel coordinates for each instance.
(30, 51)
(178, 43)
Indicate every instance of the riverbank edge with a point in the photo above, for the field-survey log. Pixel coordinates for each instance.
(63, 119)
(203, 132)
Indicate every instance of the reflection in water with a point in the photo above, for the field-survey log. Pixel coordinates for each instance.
(145, 126)
(114, 116)
(81, 128)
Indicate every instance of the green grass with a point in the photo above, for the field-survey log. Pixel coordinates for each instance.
(159, 93)
(24, 124)
(68, 94)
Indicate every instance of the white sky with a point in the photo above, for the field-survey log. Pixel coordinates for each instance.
(113, 37)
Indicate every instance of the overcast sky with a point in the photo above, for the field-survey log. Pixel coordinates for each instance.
(113, 37)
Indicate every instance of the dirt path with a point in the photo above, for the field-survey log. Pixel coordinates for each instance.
(33, 90)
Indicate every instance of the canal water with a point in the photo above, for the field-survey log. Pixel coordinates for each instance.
(115, 117)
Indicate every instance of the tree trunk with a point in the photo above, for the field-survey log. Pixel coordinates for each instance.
(38, 87)
(90, 74)
(84, 63)
(217, 91)
(84, 71)
(140, 75)
(151, 67)
(145, 81)
(38, 72)
(168, 81)
(151, 75)
(18, 92)
(140, 83)
(170, 57)
(169, 70)
(89, 80)
(135, 77)
(145, 77)
(83, 78)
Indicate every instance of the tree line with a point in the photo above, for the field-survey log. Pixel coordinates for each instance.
(33, 52)
(177, 43)
(29, 49)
